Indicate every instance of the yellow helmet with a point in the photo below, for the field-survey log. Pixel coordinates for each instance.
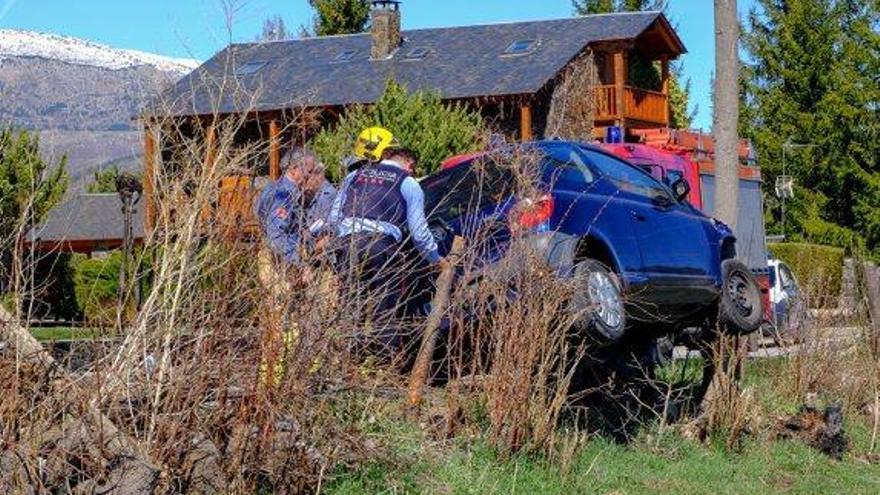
(372, 142)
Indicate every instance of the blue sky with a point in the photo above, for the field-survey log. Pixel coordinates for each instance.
(199, 28)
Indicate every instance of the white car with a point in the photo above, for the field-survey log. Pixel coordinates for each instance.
(785, 299)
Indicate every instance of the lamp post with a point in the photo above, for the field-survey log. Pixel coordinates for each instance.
(787, 189)
(130, 191)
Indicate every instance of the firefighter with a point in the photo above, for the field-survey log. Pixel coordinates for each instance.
(292, 212)
(378, 206)
(296, 206)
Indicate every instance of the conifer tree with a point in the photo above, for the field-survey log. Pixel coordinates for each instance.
(104, 181)
(811, 79)
(274, 29)
(334, 17)
(29, 187)
(421, 121)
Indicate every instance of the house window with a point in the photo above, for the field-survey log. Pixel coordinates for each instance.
(345, 56)
(417, 53)
(249, 68)
(521, 47)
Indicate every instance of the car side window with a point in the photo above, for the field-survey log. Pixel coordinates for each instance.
(566, 166)
(627, 177)
(786, 276)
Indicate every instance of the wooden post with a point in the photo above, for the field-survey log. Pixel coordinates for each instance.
(429, 339)
(525, 122)
(210, 144)
(149, 174)
(274, 150)
(871, 275)
(620, 87)
(664, 81)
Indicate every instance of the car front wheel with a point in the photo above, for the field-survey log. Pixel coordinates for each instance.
(740, 307)
(597, 304)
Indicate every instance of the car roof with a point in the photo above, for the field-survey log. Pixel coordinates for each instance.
(464, 158)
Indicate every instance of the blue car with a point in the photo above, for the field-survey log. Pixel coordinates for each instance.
(650, 264)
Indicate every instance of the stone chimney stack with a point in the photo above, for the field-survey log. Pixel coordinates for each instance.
(385, 18)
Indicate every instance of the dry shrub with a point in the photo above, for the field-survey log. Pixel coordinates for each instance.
(532, 354)
(572, 104)
(220, 381)
(728, 410)
(833, 362)
(511, 320)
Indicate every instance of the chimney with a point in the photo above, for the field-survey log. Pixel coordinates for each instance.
(385, 19)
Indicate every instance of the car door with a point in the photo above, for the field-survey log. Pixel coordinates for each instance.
(675, 252)
(582, 208)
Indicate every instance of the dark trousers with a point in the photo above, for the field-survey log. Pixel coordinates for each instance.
(369, 268)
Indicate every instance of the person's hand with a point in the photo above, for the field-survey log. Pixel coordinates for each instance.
(443, 264)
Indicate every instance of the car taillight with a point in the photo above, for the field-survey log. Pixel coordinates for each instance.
(531, 214)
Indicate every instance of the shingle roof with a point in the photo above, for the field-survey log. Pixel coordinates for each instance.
(87, 217)
(462, 62)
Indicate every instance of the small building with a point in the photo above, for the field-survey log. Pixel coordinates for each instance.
(508, 71)
(87, 223)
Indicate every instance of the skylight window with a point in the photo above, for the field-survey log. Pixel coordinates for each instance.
(345, 56)
(521, 47)
(417, 53)
(250, 68)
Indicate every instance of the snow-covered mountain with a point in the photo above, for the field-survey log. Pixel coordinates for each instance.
(82, 97)
(15, 43)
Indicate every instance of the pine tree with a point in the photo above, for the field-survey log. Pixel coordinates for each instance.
(29, 188)
(587, 7)
(420, 121)
(104, 181)
(811, 79)
(274, 29)
(644, 73)
(334, 17)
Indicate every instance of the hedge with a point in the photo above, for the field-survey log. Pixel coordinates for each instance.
(96, 282)
(818, 269)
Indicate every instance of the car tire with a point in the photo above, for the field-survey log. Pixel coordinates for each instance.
(740, 310)
(597, 305)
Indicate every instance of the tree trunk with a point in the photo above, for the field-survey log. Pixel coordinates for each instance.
(726, 111)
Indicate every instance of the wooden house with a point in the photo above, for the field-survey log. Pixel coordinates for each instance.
(508, 71)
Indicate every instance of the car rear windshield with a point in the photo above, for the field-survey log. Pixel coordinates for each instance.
(468, 187)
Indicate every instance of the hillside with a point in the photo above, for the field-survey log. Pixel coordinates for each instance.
(81, 96)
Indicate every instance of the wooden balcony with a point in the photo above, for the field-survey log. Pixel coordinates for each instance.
(641, 105)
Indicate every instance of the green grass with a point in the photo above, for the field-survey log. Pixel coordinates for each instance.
(654, 463)
(64, 333)
(672, 465)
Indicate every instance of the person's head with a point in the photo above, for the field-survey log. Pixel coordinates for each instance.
(304, 169)
(405, 157)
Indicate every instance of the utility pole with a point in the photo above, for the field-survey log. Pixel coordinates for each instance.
(726, 112)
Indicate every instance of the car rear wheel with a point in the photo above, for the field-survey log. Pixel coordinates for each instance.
(740, 307)
(597, 304)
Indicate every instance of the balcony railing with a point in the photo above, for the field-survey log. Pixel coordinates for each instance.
(638, 104)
